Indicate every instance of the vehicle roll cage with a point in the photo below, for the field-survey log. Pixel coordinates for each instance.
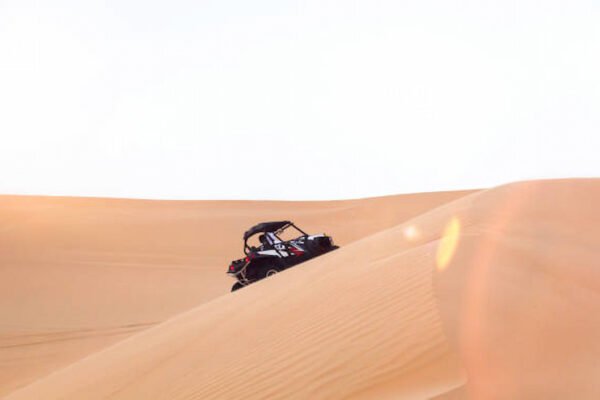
(275, 228)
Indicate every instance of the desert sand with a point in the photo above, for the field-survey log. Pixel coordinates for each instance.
(491, 294)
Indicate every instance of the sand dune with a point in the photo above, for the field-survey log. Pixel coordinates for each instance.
(487, 295)
(79, 274)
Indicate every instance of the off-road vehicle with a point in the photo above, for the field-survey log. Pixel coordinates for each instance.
(272, 254)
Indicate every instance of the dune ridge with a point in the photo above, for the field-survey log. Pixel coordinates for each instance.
(78, 274)
(492, 295)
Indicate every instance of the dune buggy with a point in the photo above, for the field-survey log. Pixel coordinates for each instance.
(272, 254)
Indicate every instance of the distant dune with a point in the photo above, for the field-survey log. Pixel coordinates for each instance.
(490, 294)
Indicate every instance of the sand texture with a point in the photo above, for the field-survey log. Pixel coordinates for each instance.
(491, 294)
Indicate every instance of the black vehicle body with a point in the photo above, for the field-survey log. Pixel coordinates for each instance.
(274, 254)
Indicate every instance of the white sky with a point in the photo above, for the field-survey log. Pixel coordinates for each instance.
(295, 99)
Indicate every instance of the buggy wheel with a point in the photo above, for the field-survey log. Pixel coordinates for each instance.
(271, 272)
(236, 286)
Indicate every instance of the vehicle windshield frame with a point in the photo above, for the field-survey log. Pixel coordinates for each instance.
(276, 232)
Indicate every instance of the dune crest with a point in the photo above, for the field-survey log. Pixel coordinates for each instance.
(79, 274)
(514, 313)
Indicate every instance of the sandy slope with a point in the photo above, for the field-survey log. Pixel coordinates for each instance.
(495, 296)
(79, 274)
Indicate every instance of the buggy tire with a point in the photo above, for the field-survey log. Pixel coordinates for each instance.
(236, 286)
(269, 271)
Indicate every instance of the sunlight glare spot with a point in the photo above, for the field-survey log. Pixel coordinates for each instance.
(448, 244)
(411, 233)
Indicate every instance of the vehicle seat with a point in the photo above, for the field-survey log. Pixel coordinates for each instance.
(263, 241)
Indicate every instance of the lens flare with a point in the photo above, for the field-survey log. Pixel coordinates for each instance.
(448, 244)
(411, 233)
